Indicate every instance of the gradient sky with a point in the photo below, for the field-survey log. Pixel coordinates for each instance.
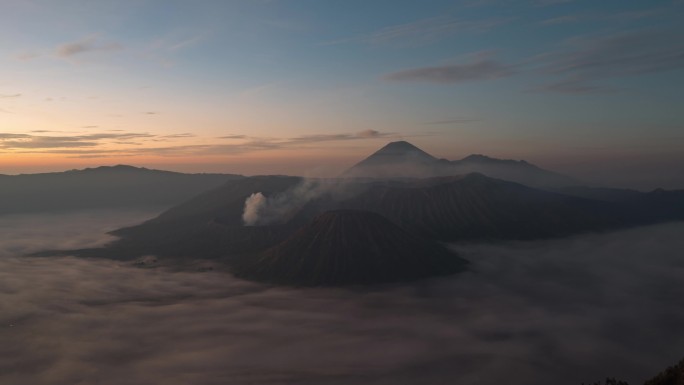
(589, 88)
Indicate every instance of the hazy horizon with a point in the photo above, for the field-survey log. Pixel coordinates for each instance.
(632, 176)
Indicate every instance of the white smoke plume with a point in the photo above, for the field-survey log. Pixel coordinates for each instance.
(253, 205)
(263, 210)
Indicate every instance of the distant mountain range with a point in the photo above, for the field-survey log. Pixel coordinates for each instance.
(404, 160)
(373, 230)
(102, 187)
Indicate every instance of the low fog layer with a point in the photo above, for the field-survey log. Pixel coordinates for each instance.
(565, 311)
(22, 234)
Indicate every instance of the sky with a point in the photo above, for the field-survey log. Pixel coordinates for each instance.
(309, 87)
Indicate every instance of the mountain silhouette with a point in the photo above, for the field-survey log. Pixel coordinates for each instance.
(404, 160)
(346, 247)
(395, 153)
(102, 187)
(479, 207)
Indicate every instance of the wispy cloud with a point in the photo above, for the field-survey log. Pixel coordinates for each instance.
(175, 150)
(4, 136)
(85, 45)
(547, 3)
(165, 49)
(183, 135)
(366, 134)
(480, 66)
(136, 144)
(27, 56)
(12, 141)
(450, 121)
(579, 66)
(373, 134)
(11, 96)
(561, 20)
(612, 17)
(639, 14)
(515, 3)
(185, 43)
(423, 31)
(586, 61)
(573, 86)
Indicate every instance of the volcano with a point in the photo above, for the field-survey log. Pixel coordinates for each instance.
(404, 160)
(342, 247)
(397, 152)
(396, 159)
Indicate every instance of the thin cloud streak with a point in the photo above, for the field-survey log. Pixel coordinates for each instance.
(547, 3)
(577, 87)
(423, 31)
(85, 45)
(366, 134)
(481, 66)
(590, 59)
(450, 121)
(95, 145)
(611, 55)
(579, 67)
(27, 141)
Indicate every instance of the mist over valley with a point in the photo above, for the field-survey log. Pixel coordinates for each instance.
(571, 310)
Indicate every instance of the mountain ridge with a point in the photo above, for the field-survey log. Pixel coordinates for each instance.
(402, 159)
(119, 186)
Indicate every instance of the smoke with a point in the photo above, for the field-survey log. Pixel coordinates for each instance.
(262, 210)
(563, 311)
(254, 204)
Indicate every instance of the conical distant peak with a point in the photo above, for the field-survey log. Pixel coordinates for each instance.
(402, 148)
(398, 146)
(395, 159)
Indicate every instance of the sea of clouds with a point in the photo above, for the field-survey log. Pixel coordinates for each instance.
(563, 311)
